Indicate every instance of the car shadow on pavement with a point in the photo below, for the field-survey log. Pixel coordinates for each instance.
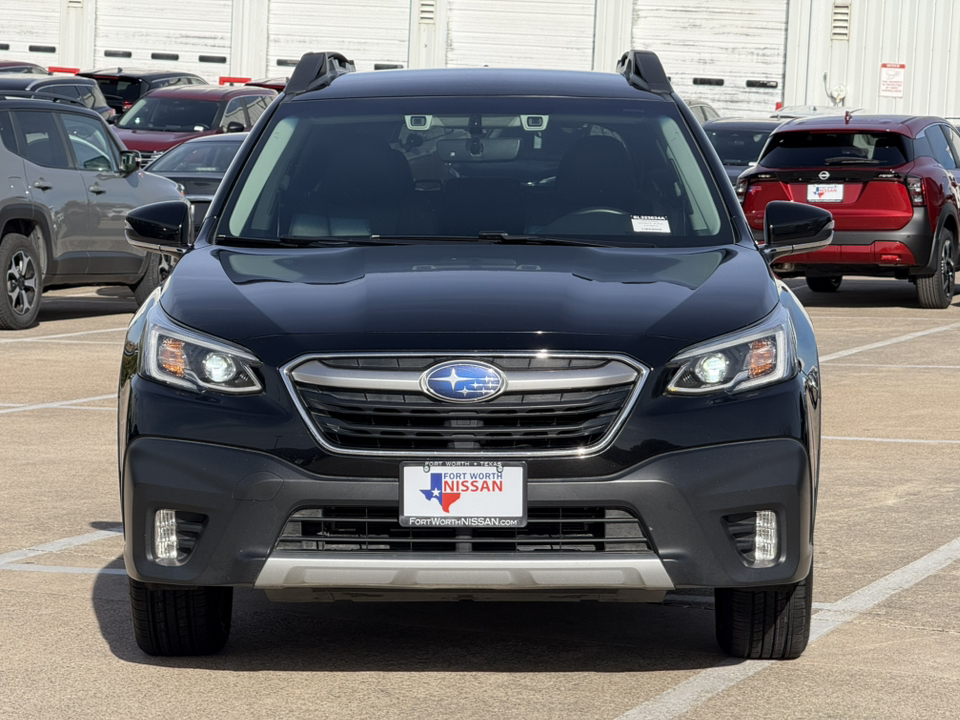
(432, 636)
(861, 292)
(106, 301)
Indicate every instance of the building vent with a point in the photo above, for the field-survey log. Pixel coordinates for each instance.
(840, 23)
(428, 12)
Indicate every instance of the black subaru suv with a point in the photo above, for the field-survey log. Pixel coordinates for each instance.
(476, 333)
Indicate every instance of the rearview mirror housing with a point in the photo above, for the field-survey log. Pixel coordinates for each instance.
(129, 161)
(163, 227)
(792, 227)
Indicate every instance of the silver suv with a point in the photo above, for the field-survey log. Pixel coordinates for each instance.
(70, 184)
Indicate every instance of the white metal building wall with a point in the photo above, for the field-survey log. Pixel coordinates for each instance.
(191, 35)
(371, 32)
(520, 33)
(732, 41)
(922, 35)
(29, 23)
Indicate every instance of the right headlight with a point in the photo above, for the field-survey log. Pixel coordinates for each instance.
(762, 354)
(187, 359)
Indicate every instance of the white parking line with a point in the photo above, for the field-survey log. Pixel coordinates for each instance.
(58, 545)
(65, 403)
(893, 366)
(708, 683)
(890, 341)
(891, 440)
(37, 338)
(66, 570)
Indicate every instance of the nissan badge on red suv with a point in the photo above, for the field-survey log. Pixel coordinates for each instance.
(891, 183)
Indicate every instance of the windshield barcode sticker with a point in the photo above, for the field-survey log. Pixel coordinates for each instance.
(650, 223)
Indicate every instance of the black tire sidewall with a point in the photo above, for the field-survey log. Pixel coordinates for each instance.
(9, 245)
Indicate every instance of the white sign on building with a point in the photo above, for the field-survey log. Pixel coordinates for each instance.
(892, 76)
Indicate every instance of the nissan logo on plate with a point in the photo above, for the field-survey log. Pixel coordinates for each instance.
(463, 381)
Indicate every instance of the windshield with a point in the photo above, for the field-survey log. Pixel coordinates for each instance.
(622, 172)
(170, 114)
(737, 146)
(816, 149)
(197, 157)
(120, 88)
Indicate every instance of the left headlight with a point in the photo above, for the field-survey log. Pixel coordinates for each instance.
(762, 354)
(184, 358)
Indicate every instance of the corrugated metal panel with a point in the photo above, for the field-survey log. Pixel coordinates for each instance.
(725, 40)
(520, 33)
(375, 31)
(153, 31)
(31, 23)
(923, 35)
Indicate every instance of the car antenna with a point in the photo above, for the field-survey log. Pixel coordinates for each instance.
(847, 117)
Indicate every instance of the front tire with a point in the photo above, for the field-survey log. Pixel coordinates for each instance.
(936, 291)
(172, 621)
(158, 269)
(765, 623)
(827, 284)
(22, 282)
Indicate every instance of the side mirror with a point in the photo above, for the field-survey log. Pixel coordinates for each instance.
(129, 161)
(792, 227)
(163, 227)
(112, 120)
(234, 126)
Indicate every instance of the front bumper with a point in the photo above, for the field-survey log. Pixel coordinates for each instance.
(681, 498)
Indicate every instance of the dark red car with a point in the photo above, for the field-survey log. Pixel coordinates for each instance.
(891, 182)
(168, 116)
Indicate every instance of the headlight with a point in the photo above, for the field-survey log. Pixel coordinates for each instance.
(187, 359)
(759, 355)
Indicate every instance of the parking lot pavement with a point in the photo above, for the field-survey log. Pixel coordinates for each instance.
(887, 571)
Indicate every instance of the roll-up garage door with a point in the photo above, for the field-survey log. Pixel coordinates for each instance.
(190, 35)
(31, 31)
(520, 33)
(728, 52)
(369, 33)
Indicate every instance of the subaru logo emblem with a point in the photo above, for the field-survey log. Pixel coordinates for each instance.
(463, 381)
(824, 175)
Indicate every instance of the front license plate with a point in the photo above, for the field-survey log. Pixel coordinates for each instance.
(463, 494)
(824, 193)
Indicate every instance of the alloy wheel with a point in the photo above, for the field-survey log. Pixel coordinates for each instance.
(21, 283)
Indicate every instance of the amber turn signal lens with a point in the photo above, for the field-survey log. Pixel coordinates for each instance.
(762, 358)
(171, 357)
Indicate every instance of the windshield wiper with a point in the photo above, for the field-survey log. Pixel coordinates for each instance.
(289, 241)
(498, 237)
(846, 160)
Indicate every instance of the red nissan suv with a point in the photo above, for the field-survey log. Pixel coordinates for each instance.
(891, 183)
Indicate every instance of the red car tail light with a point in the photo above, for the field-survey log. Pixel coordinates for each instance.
(755, 192)
(915, 189)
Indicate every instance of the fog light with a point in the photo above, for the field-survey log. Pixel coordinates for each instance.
(165, 537)
(766, 545)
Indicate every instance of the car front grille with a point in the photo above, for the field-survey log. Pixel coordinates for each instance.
(148, 157)
(376, 529)
(553, 405)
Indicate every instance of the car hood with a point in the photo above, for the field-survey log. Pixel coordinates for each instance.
(646, 302)
(154, 140)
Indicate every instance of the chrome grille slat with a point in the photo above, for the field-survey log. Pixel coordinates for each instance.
(552, 404)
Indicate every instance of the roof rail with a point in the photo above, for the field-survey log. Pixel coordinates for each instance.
(39, 95)
(317, 70)
(643, 70)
